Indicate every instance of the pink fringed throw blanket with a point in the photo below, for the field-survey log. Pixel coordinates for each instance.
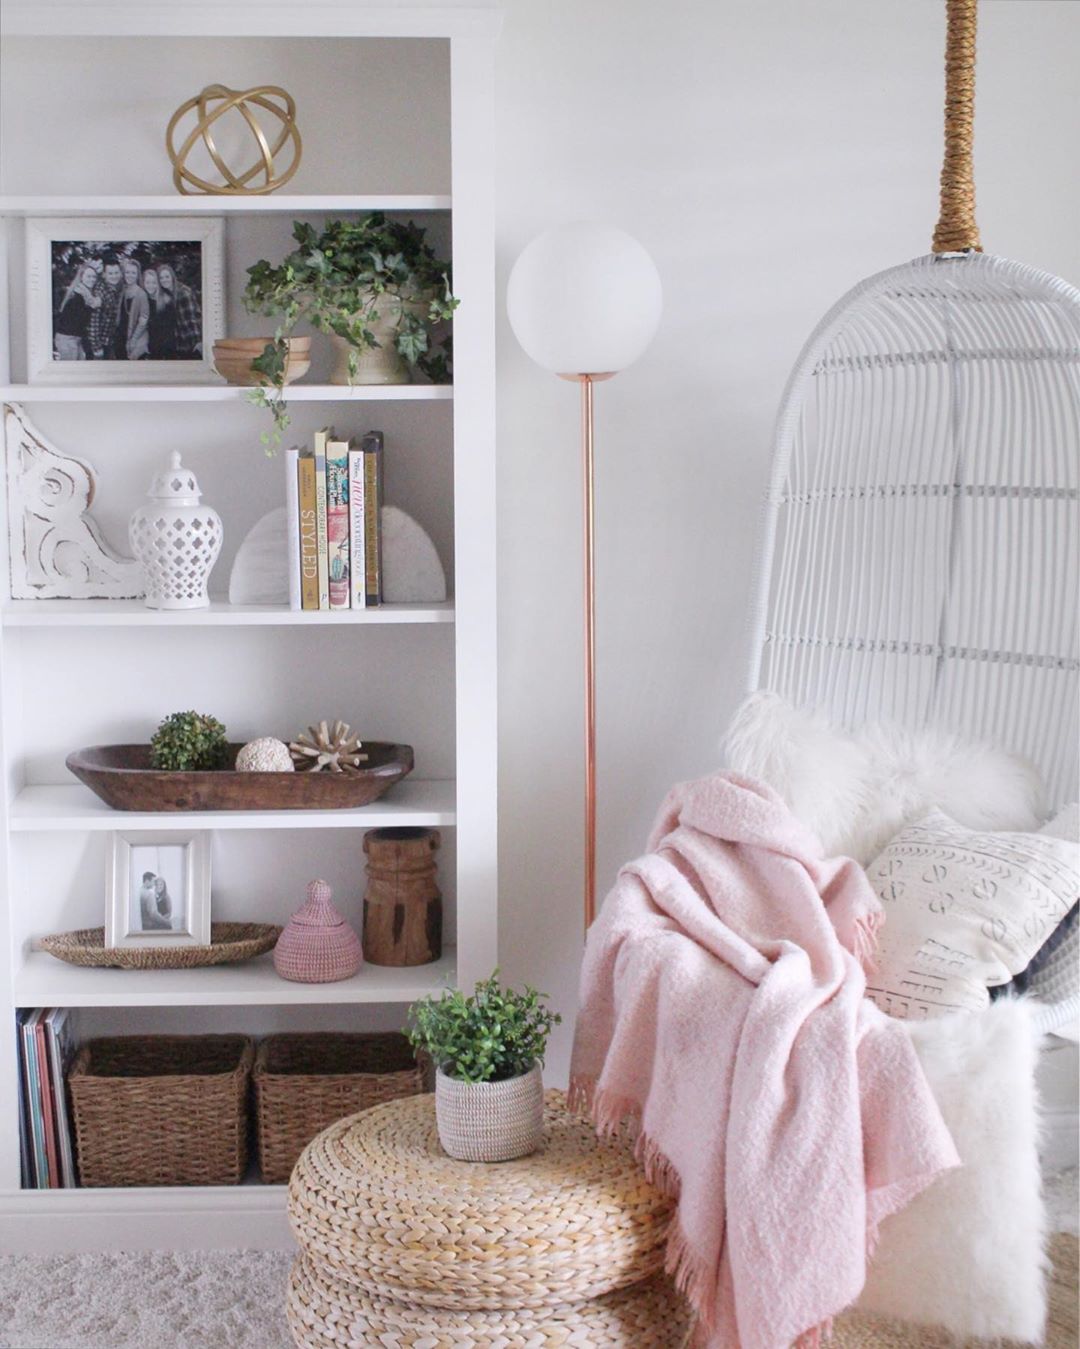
(722, 1011)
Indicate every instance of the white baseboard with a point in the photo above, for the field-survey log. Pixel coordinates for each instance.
(48, 1222)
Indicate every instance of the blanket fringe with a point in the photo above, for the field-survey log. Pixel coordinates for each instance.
(815, 1338)
(609, 1113)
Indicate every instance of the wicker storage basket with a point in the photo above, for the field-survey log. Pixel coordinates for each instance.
(162, 1109)
(303, 1083)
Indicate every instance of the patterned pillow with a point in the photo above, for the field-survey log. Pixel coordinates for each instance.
(965, 911)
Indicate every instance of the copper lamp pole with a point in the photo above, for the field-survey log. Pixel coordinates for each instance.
(589, 609)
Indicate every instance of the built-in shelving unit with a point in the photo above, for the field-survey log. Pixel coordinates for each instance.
(80, 672)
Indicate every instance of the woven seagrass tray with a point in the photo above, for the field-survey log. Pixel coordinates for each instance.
(304, 1082)
(228, 942)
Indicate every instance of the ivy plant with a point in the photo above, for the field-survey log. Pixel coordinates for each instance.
(338, 279)
(189, 742)
(493, 1034)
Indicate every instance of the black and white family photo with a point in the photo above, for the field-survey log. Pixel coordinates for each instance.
(137, 300)
(157, 890)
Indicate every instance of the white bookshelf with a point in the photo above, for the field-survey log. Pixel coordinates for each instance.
(76, 673)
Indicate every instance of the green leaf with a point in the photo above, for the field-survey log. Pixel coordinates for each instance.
(493, 1034)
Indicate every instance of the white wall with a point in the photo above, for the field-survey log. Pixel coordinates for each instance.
(769, 155)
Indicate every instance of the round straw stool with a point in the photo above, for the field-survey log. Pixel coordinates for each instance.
(402, 1245)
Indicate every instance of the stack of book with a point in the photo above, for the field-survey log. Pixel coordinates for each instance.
(46, 1048)
(333, 495)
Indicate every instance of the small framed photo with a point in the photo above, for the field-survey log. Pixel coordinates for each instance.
(124, 300)
(158, 890)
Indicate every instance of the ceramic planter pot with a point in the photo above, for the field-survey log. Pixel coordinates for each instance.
(490, 1121)
(381, 364)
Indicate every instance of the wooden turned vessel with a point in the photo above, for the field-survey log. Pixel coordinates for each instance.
(403, 904)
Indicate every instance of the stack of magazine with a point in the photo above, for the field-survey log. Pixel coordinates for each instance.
(333, 494)
(46, 1048)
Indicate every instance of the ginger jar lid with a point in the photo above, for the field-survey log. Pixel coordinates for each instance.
(176, 484)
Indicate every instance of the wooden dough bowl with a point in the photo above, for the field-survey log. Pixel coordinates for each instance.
(121, 775)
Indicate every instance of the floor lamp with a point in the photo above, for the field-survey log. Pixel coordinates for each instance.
(584, 301)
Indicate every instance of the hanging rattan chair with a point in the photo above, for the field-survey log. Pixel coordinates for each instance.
(922, 539)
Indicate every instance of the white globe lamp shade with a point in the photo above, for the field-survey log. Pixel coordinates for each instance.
(584, 299)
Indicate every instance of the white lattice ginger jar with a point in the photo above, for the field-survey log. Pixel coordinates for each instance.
(176, 539)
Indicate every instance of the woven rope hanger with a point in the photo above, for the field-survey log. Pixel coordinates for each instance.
(956, 230)
(922, 525)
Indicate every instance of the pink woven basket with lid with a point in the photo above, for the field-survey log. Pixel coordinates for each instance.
(318, 946)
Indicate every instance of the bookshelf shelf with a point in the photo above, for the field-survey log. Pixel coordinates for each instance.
(43, 981)
(135, 614)
(277, 204)
(45, 809)
(222, 393)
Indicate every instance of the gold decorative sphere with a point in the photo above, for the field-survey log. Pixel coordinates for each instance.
(214, 103)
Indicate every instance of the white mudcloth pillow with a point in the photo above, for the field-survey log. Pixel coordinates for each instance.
(856, 789)
(968, 1253)
(965, 910)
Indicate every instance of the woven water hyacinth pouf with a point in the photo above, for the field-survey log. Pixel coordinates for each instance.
(403, 1246)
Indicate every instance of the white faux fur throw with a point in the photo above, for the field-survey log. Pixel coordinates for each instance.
(969, 1252)
(856, 789)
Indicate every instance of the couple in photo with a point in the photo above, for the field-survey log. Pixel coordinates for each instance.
(118, 308)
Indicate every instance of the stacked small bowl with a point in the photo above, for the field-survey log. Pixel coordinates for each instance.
(233, 357)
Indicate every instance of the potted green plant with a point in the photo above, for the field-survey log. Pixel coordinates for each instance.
(374, 285)
(488, 1050)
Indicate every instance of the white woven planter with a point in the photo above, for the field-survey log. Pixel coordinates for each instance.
(490, 1121)
(382, 364)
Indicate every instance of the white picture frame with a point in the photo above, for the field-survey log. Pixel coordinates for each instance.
(58, 248)
(157, 890)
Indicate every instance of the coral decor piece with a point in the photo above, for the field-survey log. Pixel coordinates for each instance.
(264, 755)
(333, 749)
(318, 946)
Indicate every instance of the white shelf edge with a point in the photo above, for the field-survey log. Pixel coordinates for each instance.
(43, 981)
(62, 808)
(133, 613)
(165, 204)
(221, 393)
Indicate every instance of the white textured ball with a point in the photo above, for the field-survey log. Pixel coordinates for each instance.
(265, 755)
